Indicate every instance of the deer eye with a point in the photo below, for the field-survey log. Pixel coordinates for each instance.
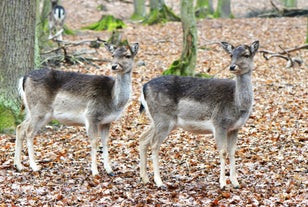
(246, 56)
(127, 56)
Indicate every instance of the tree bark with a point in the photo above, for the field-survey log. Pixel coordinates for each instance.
(204, 8)
(307, 32)
(185, 66)
(17, 51)
(290, 3)
(223, 9)
(139, 10)
(160, 13)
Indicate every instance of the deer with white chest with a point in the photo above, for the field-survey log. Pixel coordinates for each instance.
(76, 99)
(218, 106)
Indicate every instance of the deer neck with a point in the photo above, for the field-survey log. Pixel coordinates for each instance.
(122, 89)
(244, 92)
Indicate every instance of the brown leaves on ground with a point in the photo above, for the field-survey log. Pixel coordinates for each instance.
(272, 149)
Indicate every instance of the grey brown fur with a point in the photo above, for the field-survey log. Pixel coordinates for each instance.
(218, 106)
(76, 99)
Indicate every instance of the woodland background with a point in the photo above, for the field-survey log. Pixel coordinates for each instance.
(272, 149)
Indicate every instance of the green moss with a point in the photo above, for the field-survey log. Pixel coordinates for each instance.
(7, 120)
(136, 17)
(203, 75)
(161, 16)
(107, 22)
(68, 31)
(178, 67)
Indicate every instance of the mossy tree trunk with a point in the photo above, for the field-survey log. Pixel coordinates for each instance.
(290, 3)
(43, 11)
(160, 13)
(307, 32)
(204, 8)
(139, 10)
(223, 9)
(185, 66)
(17, 51)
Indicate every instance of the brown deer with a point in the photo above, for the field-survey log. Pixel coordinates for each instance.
(56, 19)
(218, 106)
(76, 99)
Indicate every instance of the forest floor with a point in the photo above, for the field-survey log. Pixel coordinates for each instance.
(272, 154)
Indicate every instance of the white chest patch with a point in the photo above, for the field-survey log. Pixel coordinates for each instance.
(196, 126)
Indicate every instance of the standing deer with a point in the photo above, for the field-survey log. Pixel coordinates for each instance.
(76, 99)
(218, 106)
(56, 20)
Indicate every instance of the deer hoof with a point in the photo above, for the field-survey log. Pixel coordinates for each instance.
(111, 174)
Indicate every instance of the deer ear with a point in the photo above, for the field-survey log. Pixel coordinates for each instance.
(254, 47)
(134, 48)
(227, 47)
(110, 48)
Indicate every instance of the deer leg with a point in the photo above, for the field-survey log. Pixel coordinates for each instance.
(232, 139)
(145, 139)
(104, 136)
(92, 131)
(20, 134)
(32, 128)
(161, 132)
(221, 141)
(33, 164)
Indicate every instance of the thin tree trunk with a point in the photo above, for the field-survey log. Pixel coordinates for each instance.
(204, 8)
(139, 10)
(185, 66)
(17, 40)
(189, 53)
(223, 9)
(307, 32)
(290, 3)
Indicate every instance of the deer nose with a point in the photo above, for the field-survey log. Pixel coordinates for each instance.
(233, 67)
(114, 66)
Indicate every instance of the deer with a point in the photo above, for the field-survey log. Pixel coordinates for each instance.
(56, 19)
(76, 99)
(202, 106)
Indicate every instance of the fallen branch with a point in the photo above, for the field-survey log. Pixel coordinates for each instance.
(75, 56)
(285, 54)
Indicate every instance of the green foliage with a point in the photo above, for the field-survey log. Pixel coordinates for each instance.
(161, 16)
(68, 31)
(107, 22)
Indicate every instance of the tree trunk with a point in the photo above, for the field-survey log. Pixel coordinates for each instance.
(160, 13)
(307, 32)
(185, 66)
(17, 51)
(290, 3)
(204, 8)
(139, 10)
(223, 9)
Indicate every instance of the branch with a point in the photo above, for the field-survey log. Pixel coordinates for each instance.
(73, 56)
(56, 35)
(285, 54)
